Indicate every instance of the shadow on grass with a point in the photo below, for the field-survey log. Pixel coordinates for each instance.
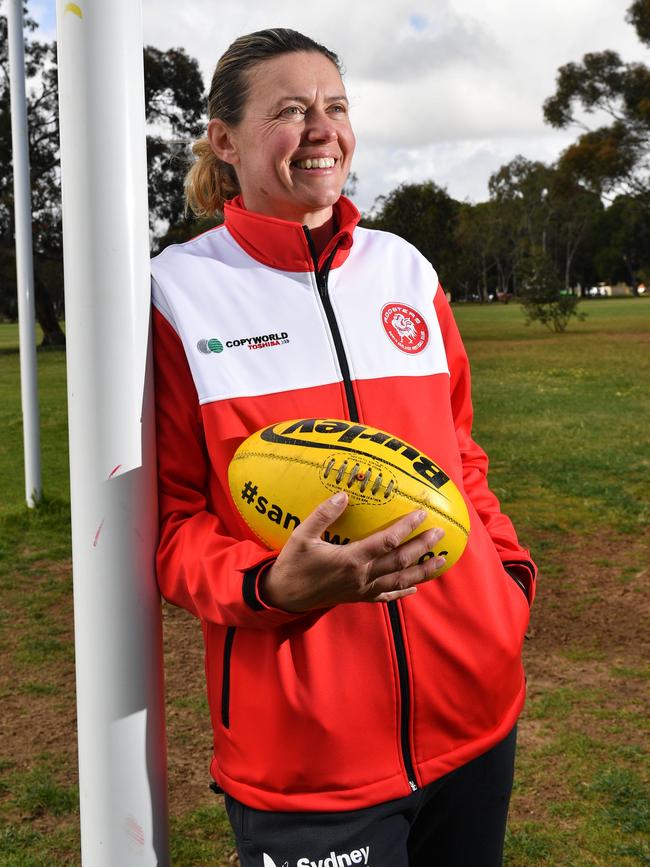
(14, 350)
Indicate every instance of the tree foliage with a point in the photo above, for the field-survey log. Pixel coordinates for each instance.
(42, 112)
(614, 158)
(638, 15)
(542, 296)
(623, 252)
(174, 100)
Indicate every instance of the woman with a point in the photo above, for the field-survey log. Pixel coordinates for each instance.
(362, 713)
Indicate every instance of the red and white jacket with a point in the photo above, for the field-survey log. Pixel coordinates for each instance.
(341, 708)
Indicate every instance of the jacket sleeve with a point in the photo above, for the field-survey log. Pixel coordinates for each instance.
(516, 560)
(199, 567)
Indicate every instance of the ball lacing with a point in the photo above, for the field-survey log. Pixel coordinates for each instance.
(356, 474)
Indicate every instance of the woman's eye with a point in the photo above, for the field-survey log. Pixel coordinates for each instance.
(292, 111)
(338, 108)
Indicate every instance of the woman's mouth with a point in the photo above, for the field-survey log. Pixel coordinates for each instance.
(315, 163)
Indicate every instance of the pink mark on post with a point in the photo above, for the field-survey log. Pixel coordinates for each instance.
(113, 471)
(99, 530)
(134, 831)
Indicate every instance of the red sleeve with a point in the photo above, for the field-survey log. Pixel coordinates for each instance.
(515, 559)
(199, 567)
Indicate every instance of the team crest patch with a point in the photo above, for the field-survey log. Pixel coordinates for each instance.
(406, 327)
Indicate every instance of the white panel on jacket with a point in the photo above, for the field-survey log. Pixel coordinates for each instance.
(383, 298)
(247, 329)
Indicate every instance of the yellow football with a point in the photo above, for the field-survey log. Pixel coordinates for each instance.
(281, 473)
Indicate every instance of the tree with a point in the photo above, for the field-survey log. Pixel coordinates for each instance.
(576, 213)
(624, 252)
(542, 296)
(614, 158)
(42, 115)
(476, 238)
(174, 100)
(523, 214)
(542, 208)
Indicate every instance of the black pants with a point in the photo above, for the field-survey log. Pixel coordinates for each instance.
(456, 821)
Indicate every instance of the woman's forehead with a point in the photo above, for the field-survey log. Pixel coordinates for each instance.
(300, 74)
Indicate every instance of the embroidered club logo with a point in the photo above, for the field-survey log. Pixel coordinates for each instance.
(406, 327)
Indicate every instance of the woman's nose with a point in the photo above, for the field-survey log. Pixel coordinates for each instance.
(320, 127)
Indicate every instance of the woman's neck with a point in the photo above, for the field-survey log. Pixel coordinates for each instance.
(322, 235)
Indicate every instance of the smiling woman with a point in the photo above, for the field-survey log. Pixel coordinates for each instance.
(362, 712)
(279, 131)
(293, 148)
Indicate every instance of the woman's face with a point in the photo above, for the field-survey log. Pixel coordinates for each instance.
(293, 148)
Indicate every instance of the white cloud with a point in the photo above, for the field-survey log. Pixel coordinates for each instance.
(448, 90)
(462, 166)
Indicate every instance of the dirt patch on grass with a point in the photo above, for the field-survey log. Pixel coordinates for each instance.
(588, 639)
(598, 598)
(189, 731)
(586, 662)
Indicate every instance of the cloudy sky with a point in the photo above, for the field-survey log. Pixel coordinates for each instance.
(448, 90)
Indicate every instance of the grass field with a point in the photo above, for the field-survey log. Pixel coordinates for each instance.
(566, 421)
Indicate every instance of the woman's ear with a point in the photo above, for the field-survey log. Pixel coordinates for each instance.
(222, 141)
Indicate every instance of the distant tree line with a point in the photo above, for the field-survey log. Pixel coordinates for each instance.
(535, 212)
(544, 230)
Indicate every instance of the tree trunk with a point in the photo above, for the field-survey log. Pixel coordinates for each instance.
(484, 293)
(52, 334)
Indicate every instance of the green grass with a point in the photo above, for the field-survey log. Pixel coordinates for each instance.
(53, 422)
(201, 837)
(564, 419)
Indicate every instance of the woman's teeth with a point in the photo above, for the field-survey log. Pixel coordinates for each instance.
(321, 163)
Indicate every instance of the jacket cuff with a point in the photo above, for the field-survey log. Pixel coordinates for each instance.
(251, 589)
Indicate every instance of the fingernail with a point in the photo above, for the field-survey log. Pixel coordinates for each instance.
(339, 498)
(420, 516)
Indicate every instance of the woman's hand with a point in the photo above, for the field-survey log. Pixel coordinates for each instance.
(310, 573)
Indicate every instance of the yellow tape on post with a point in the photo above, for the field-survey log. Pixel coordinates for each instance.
(72, 7)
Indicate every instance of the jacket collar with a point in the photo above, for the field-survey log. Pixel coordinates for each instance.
(282, 244)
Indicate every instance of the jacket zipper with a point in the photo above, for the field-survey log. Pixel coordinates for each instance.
(405, 693)
(321, 283)
(353, 411)
(225, 677)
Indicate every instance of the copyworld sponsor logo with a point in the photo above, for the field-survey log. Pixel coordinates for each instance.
(258, 341)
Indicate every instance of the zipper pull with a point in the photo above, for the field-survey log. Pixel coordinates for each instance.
(413, 785)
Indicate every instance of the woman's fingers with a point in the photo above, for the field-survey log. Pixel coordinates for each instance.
(387, 541)
(404, 583)
(380, 568)
(407, 553)
(315, 524)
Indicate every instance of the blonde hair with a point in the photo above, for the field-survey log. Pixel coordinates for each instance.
(210, 181)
